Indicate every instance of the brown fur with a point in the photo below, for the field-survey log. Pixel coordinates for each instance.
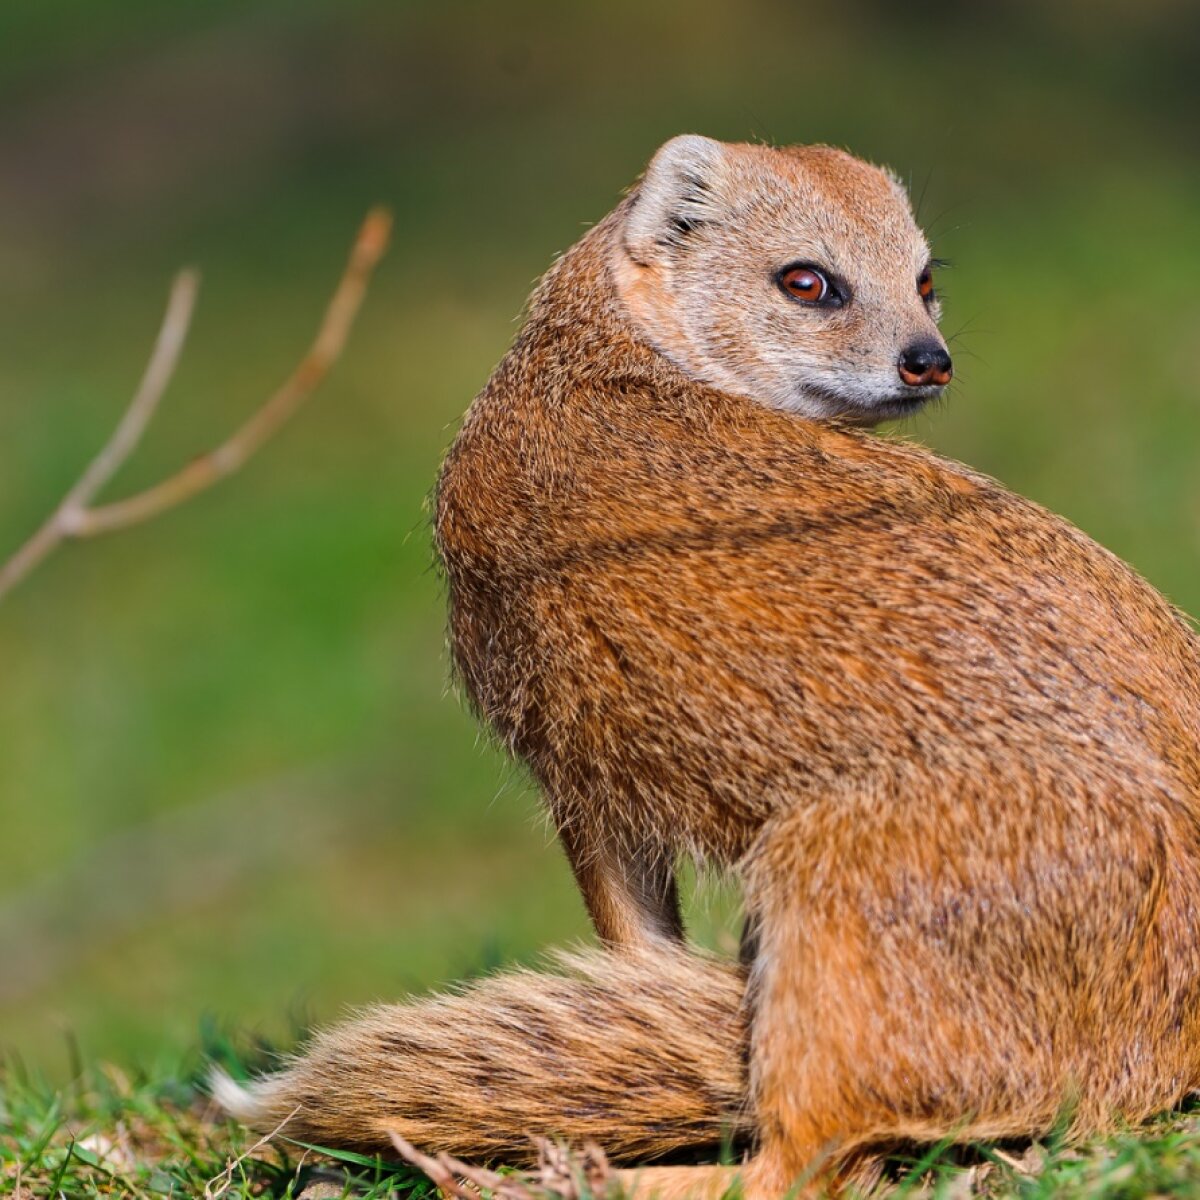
(951, 744)
(481, 1071)
(591, 459)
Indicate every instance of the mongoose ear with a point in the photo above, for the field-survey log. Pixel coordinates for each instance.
(677, 193)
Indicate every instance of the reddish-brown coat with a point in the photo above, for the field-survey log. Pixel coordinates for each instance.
(951, 745)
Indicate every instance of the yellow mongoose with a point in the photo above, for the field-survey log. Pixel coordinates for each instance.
(950, 744)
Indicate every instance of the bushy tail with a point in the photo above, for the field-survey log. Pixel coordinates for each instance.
(642, 1052)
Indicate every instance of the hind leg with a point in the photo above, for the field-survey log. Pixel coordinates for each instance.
(922, 973)
(817, 1040)
(680, 1183)
(763, 1178)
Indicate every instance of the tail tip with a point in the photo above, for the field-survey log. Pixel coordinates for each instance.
(248, 1103)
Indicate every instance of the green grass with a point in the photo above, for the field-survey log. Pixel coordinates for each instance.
(231, 779)
(113, 1133)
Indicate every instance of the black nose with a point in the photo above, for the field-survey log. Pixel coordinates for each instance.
(925, 363)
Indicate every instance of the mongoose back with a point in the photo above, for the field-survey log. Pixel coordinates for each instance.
(797, 278)
(950, 744)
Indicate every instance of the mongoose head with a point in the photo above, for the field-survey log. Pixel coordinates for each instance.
(796, 277)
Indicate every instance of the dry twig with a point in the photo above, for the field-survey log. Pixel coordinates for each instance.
(220, 1184)
(76, 517)
(560, 1174)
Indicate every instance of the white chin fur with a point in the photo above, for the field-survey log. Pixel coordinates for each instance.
(817, 408)
(858, 405)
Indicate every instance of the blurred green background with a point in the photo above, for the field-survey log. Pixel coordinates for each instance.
(232, 779)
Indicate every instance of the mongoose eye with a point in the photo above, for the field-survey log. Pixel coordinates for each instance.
(925, 284)
(805, 283)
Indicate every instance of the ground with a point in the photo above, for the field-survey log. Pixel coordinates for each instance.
(155, 1135)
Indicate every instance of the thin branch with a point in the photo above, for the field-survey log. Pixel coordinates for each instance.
(76, 518)
(232, 454)
(163, 360)
(161, 367)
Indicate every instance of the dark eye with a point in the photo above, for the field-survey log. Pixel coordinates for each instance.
(805, 283)
(925, 284)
